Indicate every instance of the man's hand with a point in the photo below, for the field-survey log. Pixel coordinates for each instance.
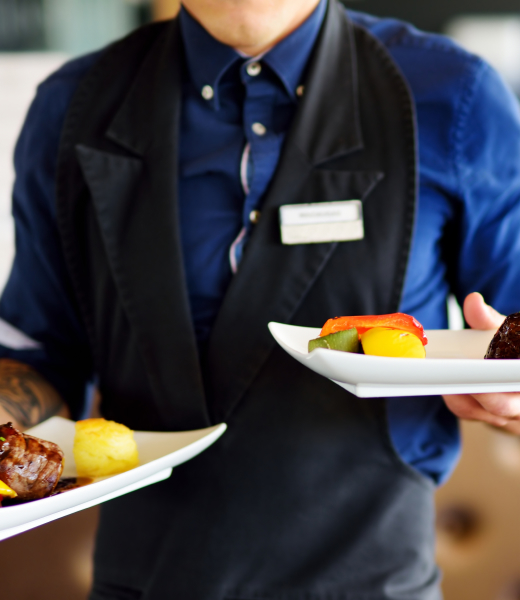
(501, 409)
(26, 398)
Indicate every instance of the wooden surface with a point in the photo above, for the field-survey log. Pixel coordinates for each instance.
(52, 562)
(479, 519)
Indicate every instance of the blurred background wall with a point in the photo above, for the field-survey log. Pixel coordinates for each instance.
(490, 28)
(433, 16)
(478, 519)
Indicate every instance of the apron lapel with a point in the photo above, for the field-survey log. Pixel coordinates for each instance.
(273, 280)
(134, 195)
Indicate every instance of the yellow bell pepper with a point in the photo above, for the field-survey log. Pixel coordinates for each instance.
(383, 341)
(6, 491)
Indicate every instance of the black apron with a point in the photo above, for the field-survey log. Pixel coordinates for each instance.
(304, 497)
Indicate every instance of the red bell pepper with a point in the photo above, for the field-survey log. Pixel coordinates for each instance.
(364, 323)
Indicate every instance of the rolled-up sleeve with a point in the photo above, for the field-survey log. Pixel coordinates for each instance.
(38, 299)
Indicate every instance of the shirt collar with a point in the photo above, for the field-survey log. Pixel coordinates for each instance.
(208, 59)
(289, 57)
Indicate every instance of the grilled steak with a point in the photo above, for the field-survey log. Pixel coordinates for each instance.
(506, 343)
(30, 466)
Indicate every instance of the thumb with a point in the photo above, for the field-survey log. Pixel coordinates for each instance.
(480, 315)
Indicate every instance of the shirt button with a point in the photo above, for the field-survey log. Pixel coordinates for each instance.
(258, 128)
(254, 69)
(300, 90)
(207, 92)
(254, 216)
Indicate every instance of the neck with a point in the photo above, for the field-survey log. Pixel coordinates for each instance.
(250, 26)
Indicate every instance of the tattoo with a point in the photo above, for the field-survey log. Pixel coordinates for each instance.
(25, 394)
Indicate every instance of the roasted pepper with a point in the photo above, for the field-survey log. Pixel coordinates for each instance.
(345, 341)
(364, 323)
(6, 491)
(383, 341)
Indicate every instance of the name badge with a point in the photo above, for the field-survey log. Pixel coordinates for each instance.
(340, 221)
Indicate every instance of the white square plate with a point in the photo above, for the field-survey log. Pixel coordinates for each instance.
(454, 364)
(158, 454)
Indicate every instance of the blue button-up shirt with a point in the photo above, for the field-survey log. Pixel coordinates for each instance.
(466, 236)
(230, 144)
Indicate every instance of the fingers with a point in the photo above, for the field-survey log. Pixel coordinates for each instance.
(495, 409)
(502, 404)
(480, 315)
(466, 407)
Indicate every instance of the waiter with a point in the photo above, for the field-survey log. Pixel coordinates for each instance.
(149, 260)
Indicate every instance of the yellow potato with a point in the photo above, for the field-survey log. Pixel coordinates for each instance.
(6, 491)
(383, 341)
(104, 448)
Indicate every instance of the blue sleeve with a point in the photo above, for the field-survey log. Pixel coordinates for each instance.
(469, 143)
(38, 298)
(481, 181)
(487, 159)
(467, 236)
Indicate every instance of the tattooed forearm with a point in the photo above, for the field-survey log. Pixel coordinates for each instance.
(25, 395)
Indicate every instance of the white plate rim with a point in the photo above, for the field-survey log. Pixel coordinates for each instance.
(375, 376)
(21, 517)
